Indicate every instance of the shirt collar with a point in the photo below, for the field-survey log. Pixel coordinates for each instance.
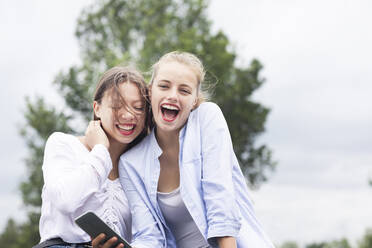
(154, 143)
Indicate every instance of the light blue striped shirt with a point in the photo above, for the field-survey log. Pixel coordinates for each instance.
(212, 185)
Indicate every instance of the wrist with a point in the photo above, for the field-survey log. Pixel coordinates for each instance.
(226, 242)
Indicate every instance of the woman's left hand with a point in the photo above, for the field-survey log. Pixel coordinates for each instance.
(96, 242)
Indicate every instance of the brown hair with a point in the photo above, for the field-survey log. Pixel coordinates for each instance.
(110, 81)
(190, 60)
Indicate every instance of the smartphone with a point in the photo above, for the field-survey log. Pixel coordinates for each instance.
(94, 226)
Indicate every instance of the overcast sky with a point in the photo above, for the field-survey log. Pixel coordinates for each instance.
(317, 58)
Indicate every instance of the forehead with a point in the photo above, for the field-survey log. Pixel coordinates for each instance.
(176, 72)
(128, 90)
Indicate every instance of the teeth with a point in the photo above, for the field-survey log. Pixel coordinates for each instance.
(170, 107)
(126, 127)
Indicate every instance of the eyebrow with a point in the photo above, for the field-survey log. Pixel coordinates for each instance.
(185, 85)
(168, 81)
(164, 80)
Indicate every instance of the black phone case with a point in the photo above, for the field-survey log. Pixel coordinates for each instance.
(94, 226)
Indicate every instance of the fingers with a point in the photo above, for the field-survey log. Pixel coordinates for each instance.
(93, 125)
(97, 125)
(97, 240)
(95, 134)
(120, 246)
(109, 243)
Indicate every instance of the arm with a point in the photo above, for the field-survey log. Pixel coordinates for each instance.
(145, 229)
(68, 182)
(223, 214)
(226, 242)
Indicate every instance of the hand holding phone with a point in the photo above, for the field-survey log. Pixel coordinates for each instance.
(94, 226)
(98, 242)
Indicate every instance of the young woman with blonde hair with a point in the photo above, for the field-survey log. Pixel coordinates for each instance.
(183, 181)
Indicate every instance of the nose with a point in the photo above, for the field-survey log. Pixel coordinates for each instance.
(125, 115)
(172, 95)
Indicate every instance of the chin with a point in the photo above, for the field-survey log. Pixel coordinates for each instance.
(125, 140)
(169, 127)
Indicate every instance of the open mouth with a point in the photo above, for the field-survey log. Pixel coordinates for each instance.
(169, 112)
(126, 129)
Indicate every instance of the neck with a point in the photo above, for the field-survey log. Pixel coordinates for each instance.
(166, 139)
(116, 149)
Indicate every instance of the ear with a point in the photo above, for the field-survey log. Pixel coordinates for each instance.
(97, 109)
(194, 103)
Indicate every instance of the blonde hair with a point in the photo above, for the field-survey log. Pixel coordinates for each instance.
(190, 60)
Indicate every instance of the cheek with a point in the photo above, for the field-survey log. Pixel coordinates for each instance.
(141, 121)
(152, 100)
(192, 102)
(107, 118)
(153, 104)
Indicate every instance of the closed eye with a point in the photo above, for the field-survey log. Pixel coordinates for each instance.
(185, 91)
(163, 86)
(139, 108)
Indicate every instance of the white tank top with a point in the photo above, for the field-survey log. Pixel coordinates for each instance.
(180, 221)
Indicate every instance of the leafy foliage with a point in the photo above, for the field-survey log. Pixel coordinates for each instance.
(366, 241)
(289, 244)
(342, 243)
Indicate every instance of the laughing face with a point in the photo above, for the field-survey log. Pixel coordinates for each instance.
(122, 122)
(173, 95)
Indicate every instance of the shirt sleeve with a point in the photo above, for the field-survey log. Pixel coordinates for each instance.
(145, 229)
(223, 214)
(70, 181)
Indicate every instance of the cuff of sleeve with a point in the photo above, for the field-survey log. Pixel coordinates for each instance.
(224, 230)
(101, 161)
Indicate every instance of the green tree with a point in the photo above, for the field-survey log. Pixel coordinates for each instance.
(366, 241)
(115, 31)
(316, 245)
(10, 235)
(342, 243)
(112, 32)
(289, 244)
(41, 121)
